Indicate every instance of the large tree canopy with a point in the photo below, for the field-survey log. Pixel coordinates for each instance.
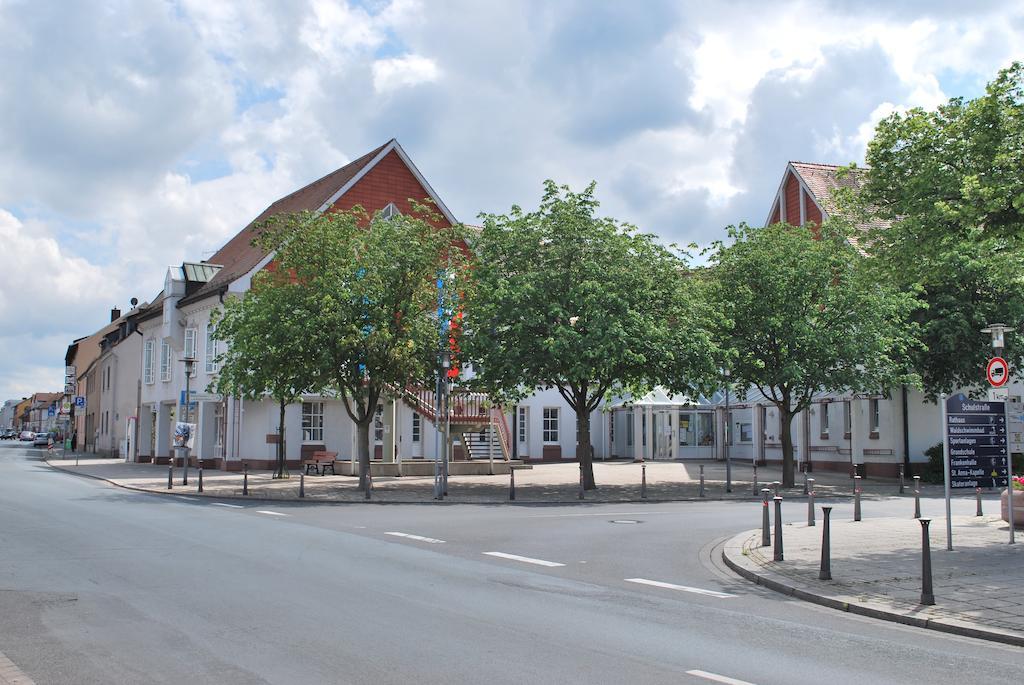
(269, 346)
(372, 279)
(804, 316)
(948, 186)
(562, 298)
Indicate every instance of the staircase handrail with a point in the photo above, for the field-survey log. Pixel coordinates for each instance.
(504, 435)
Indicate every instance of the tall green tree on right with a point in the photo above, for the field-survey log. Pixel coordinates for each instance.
(803, 316)
(946, 190)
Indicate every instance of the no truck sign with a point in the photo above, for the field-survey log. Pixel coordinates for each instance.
(997, 372)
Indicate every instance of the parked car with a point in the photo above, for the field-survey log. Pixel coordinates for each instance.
(8, 434)
(41, 440)
(27, 436)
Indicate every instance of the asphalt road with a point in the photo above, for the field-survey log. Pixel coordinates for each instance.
(104, 585)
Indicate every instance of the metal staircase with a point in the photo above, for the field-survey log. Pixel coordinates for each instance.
(471, 416)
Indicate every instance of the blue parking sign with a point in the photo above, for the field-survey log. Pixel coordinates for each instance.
(79, 402)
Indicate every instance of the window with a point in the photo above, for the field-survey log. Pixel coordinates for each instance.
(378, 424)
(523, 426)
(629, 429)
(390, 211)
(643, 429)
(728, 428)
(312, 422)
(550, 424)
(746, 432)
(686, 429)
(211, 350)
(824, 419)
(190, 346)
(873, 416)
(417, 427)
(847, 419)
(165, 362)
(611, 430)
(147, 363)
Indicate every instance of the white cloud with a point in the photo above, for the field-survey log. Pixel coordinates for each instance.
(400, 72)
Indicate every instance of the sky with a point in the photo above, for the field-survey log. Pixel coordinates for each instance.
(137, 134)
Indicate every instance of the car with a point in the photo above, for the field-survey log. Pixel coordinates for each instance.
(8, 434)
(41, 440)
(27, 436)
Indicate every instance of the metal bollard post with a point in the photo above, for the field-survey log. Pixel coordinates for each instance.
(702, 480)
(856, 498)
(805, 483)
(581, 484)
(369, 485)
(977, 494)
(643, 481)
(776, 484)
(927, 596)
(755, 478)
(766, 526)
(825, 572)
(200, 475)
(511, 484)
(901, 479)
(184, 468)
(778, 529)
(917, 497)
(245, 478)
(810, 503)
(302, 485)
(170, 477)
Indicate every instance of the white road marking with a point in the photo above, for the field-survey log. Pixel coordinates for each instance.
(433, 541)
(614, 513)
(527, 560)
(191, 499)
(222, 504)
(684, 588)
(270, 513)
(11, 674)
(718, 678)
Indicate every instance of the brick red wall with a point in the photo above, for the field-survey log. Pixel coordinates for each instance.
(389, 181)
(812, 212)
(792, 198)
(775, 216)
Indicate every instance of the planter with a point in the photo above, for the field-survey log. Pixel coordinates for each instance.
(1018, 507)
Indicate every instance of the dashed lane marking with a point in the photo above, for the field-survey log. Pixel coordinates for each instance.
(683, 588)
(190, 499)
(270, 513)
(525, 560)
(718, 678)
(222, 504)
(410, 536)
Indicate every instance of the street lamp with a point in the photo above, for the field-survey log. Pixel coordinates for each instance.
(727, 434)
(190, 365)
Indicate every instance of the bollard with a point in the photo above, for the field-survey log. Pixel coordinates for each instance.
(856, 498)
(917, 497)
(778, 529)
(369, 485)
(977, 494)
(901, 479)
(184, 469)
(825, 572)
(927, 596)
(805, 483)
(302, 485)
(776, 484)
(245, 478)
(643, 481)
(511, 484)
(755, 478)
(170, 477)
(766, 526)
(810, 503)
(702, 480)
(200, 475)
(581, 483)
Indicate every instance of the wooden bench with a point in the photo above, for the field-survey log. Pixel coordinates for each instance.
(320, 462)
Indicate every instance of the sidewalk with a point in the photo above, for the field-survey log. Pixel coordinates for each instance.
(618, 481)
(876, 571)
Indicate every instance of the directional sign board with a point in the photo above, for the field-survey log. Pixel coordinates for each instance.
(976, 435)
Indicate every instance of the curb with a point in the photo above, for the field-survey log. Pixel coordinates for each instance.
(952, 626)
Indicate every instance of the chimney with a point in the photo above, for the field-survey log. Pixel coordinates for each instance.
(115, 314)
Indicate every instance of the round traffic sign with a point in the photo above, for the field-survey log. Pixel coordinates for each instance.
(997, 372)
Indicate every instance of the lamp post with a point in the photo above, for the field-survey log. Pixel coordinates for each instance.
(190, 365)
(996, 330)
(727, 434)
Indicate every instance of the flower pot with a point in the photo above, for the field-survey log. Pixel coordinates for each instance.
(1018, 507)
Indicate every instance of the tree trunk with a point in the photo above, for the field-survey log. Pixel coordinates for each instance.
(281, 469)
(785, 423)
(584, 451)
(363, 449)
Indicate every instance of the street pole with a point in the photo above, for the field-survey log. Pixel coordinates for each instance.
(997, 330)
(727, 437)
(945, 467)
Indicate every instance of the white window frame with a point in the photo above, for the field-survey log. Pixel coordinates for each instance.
(148, 377)
(417, 427)
(823, 408)
(312, 422)
(874, 415)
(390, 211)
(629, 429)
(189, 349)
(211, 350)
(378, 424)
(549, 431)
(847, 417)
(165, 361)
(523, 425)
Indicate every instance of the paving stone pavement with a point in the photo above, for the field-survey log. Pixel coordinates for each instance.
(618, 481)
(876, 571)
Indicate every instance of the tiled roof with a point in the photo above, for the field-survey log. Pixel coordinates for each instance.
(239, 255)
(823, 179)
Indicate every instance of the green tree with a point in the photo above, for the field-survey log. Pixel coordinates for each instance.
(268, 347)
(945, 190)
(373, 327)
(802, 316)
(564, 299)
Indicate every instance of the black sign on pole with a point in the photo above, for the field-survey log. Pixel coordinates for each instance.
(976, 435)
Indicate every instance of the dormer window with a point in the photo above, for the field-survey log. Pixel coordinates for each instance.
(389, 212)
